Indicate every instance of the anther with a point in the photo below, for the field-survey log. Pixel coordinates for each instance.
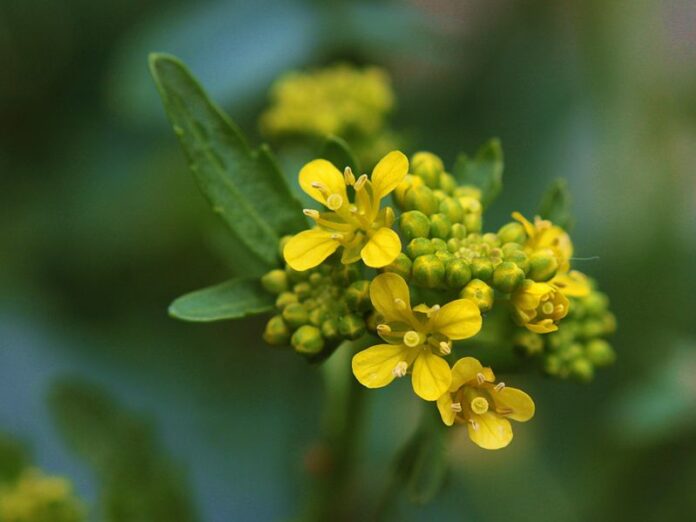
(334, 201)
(480, 378)
(400, 369)
(383, 329)
(360, 183)
(456, 407)
(320, 187)
(400, 304)
(411, 338)
(445, 348)
(474, 424)
(499, 386)
(336, 235)
(311, 213)
(348, 176)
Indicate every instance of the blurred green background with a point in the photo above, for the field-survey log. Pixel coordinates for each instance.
(102, 226)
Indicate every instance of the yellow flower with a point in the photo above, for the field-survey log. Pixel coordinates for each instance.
(544, 234)
(417, 338)
(362, 228)
(485, 408)
(572, 284)
(538, 306)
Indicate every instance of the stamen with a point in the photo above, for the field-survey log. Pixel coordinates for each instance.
(504, 411)
(360, 183)
(499, 386)
(456, 407)
(383, 329)
(321, 188)
(445, 348)
(474, 424)
(560, 309)
(353, 209)
(479, 405)
(480, 378)
(400, 304)
(348, 176)
(334, 201)
(400, 369)
(412, 339)
(433, 309)
(336, 235)
(311, 213)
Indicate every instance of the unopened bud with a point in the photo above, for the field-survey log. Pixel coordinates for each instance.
(512, 233)
(451, 208)
(582, 369)
(459, 231)
(447, 183)
(303, 290)
(295, 315)
(329, 329)
(285, 299)
(439, 245)
(307, 340)
(351, 326)
(473, 222)
(421, 198)
(458, 273)
(275, 281)
(528, 343)
(316, 316)
(428, 271)
(445, 256)
(543, 265)
(401, 266)
(428, 167)
(276, 332)
(480, 293)
(414, 224)
(482, 268)
(357, 296)
(419, 247)
(520, 259)
(507, 277)
(404, 187)
(440, 226)
(600, 352)
(468, 191)
(596, 303)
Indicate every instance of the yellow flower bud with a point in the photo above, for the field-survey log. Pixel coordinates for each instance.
(451, 208)
(600, 352)
(543, 265)
(482, 268)
(277, 332)
(480, 293)
(307, 340)
(275, 281)
(419, 247)
(285, 299)
(473, 222)
(428, 167)
(440, 226)
(520, 259)
(404, 187)
(458, 273)
(413, 224)
(447, 183)
(329, 329)
(295, 315)
(303, 290)
(512, 233)
(582, 369)
(507, 277)
(421, 198)
(351, 326)
(401, 265)
(428, 271)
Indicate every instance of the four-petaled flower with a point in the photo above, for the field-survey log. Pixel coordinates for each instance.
(473, 399)
(417, 338)
(362, 228)
(538, 306)
(544, 234)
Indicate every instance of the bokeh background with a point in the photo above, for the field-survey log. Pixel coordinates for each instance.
(101, 226)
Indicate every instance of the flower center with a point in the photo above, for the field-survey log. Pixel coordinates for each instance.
(547, 308)
(479, 405)
(412, 338)
(334, 201)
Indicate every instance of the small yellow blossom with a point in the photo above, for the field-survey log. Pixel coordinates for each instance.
(538, 306)
(572, 284)
(417, 338)
(473, 399)
(544, 234)
(361, 228)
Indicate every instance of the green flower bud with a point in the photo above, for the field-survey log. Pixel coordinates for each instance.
(608, 323)
(307, 340)
(439, 244)
(473, 222)
(285, 299)
(315, 279)
(457, 273)
(510, 248)
(295, 315)
(553, 365)
(329, 329)
(447, 183)
(303, 290)
(591, 328)
(428, 271)
(507, 277)
(414, 224)
(372, 321)
(401, 265)
(600, 352)
(275, 281)
(528, 343)
(543, 265)
(357, 296)
(490, 239)
(458, 231)
(444, 256)
(596, 303)
(346, 274)
(482, 268)
(351, 326)
(452, 245)
(520, 259)
(419, 247)
(451, 208)
(582, 369)
(421, 198)
(512, 233)
(276, 332)
(427, 166)
(440, 195)
(440, 226)
(316, 316)
(480, 293)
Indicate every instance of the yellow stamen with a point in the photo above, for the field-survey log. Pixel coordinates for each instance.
(479, 405)
(383, 329)
(360, 183)
(456, 407)
(400, 369)
(311, 213)
(321, 188)
(499, 386)
(348, 176)
(480, 378)
(445, 348)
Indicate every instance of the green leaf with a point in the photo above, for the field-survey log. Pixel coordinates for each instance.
(229, 300)
(555, 204)
(484, 171)
(244, 186)
(338, 152)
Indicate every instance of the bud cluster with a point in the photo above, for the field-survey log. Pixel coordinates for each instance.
(579, 346)
(318, 308)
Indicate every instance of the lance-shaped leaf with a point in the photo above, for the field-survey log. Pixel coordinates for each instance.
(244, 186)
(484, 171)
(555, 204)
(338, 152)
(232, 299)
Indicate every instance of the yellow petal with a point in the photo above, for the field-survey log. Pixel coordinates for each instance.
(309, 248)
(388, 173)
(444, 405)
(458, 319)
(382, 248)
(520, 404)
(572, 284)
(390, 297)
(325, 173)
(374, 366)
(490, 431)
(351, 251)
(542, 327)
(528, 227)
(431, 375)
(466, 369)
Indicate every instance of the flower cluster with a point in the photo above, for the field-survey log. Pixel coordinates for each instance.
(424, 278)
(337, 100)
(35, 497)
